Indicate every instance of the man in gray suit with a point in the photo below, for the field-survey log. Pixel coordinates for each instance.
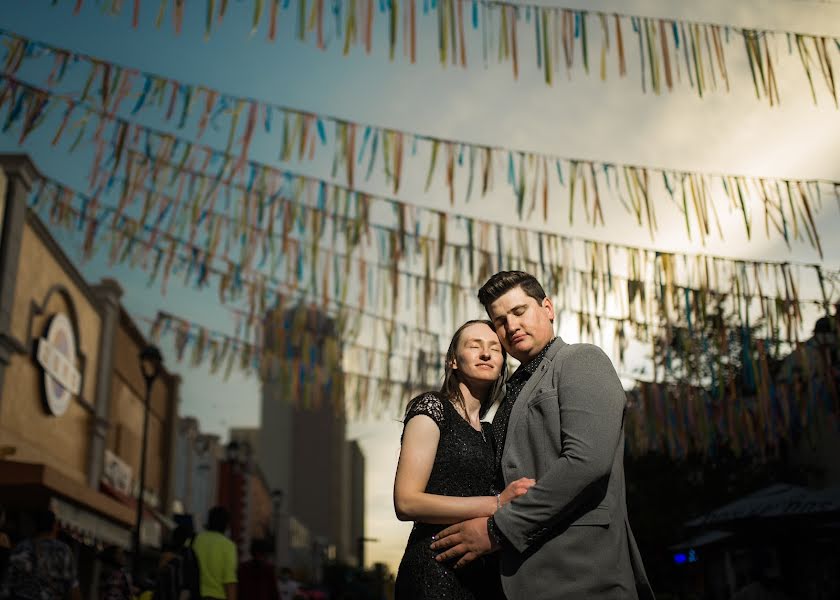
(562, 423)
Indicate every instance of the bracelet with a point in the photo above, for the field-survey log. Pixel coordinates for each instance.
(498, 501)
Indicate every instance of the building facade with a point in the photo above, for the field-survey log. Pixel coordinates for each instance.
(72, 393)
(304, 452)
(244, 491)
(197, 457)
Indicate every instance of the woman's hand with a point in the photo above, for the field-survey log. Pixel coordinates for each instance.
(515, 489)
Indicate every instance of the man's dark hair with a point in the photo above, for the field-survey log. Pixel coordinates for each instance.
(112, 556)
(180, 536)
(504, 281)
(44, 522)
(260, 548)
(218, 519)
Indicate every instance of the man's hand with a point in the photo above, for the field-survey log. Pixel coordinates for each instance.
(467, 540)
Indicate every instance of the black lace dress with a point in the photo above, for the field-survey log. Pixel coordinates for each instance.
(463, 467)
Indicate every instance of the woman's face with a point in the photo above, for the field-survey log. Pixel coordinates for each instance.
(478, 356)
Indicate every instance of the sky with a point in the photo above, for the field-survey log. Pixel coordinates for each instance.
(577, 117)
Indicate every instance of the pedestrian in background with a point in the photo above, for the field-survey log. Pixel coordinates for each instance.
(42, 567)
(178, 576)
(116, 581)
(257, 579)
(216, 555)
(5, 545)
(287, 586)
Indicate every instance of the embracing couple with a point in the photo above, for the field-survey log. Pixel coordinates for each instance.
(517, 487)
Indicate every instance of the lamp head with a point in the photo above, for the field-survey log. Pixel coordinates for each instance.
(151, 362)
(232, 451)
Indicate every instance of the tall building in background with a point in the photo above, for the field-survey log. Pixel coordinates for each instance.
(316, 475)
(197, 458)
(318, 494)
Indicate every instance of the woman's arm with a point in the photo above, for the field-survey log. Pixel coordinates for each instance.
(412, 503)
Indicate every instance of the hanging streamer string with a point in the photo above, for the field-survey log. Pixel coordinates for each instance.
(561, 41)
(788, 205)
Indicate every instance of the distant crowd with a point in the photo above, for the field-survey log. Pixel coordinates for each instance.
(192, 566)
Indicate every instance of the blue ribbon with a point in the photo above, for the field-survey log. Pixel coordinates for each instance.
(365, 138)
(499, 265)
(147, 85)
(322, 134)
(511, 170)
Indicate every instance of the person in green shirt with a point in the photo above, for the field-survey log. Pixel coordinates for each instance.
(216, 553)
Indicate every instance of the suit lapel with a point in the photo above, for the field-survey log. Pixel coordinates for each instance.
(519, 406)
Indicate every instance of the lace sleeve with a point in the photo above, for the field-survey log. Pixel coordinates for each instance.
(429, 404)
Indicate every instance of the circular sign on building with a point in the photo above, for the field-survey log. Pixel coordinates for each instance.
(57, 356)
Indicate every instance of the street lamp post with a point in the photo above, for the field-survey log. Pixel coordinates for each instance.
(277, 506)
(151, 363)
(360, 550)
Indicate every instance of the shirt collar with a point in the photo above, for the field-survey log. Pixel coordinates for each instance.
(532, 364)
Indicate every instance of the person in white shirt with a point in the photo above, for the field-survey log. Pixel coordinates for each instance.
(287, 586)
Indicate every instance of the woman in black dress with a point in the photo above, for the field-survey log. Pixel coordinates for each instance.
(445, 472)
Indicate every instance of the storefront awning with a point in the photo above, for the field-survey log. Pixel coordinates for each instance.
(776, 501)
(154, 522)
(86, 512)
(90, 527)
(704, 539)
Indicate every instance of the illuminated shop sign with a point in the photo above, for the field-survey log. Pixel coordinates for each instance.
(56, 354)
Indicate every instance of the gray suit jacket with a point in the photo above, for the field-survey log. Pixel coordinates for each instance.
(569, 535)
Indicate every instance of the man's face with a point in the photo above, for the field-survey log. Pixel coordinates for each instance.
(524, 326)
